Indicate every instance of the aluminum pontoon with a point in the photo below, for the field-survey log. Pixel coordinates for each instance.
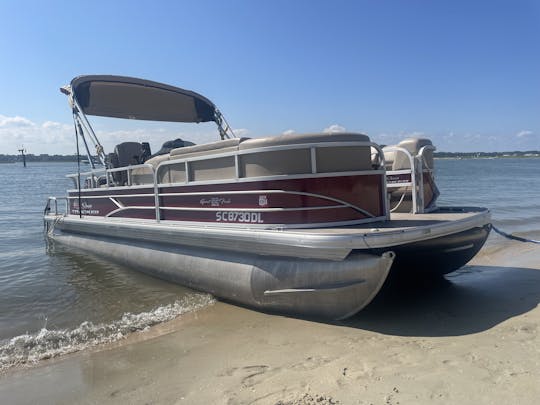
(304, 224)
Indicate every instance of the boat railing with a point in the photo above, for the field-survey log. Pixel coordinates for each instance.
(105, 177)
(150, 175)
(89, 179)
(54, 201)
(379, 158)
(128, 170)
(413, 176)
(237, 169)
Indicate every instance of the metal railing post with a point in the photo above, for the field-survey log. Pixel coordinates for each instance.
(156, 194)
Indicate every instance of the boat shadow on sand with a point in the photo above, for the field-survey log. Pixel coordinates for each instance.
(470, 300)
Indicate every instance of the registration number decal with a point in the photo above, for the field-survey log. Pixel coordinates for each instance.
(235, 216)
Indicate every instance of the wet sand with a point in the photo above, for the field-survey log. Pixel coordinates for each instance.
(473, 339)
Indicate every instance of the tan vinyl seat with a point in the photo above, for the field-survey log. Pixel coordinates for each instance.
(298, 160)
(401, 197)
(145, 175)
(227, 145)
(220, 168)
(285, 161)
(413, 146)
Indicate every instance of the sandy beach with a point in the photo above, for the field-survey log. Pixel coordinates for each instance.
(470, 340)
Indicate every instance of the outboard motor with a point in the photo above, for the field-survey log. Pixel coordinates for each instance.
(111, 160)
(146, 152)
(129, 153)
(125, 154)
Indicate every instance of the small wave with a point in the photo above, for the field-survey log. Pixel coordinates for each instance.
(46, 344)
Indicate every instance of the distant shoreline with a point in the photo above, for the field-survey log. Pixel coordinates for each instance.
(486, 155)
(437, 155)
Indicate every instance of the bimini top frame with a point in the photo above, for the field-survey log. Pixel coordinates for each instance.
(132, 98)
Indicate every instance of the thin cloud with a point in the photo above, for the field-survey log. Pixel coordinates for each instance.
(241, 132)
(523, 134)
(334, 128)
(56, 125)
(395, 138)
(414, 134)
(288, 132)
(53, 138)
(14, 122)
(49, 137)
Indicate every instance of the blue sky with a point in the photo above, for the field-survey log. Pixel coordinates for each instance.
(464, 73)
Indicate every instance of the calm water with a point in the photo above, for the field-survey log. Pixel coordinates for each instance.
(55, 301)
(52, 301)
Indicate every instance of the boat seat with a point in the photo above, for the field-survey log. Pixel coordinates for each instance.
(213, 168)
(295, 139)
(298, 160)
(400, 161)
(204, 169)
(389, 157)
(284, 161)
(401, 197)
(145, 175)
(227, 145)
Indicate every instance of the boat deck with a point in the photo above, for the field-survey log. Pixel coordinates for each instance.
(314, 243)
(403, 221)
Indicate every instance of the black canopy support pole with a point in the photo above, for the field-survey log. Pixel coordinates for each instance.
(84, 121)
(78, 163)
(81, 132)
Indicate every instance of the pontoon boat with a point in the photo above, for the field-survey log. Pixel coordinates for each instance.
(303, 224)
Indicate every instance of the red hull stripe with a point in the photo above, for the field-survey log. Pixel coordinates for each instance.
(324, 193)
(247, 217)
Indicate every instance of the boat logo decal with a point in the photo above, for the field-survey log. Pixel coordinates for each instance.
(214, 201)
(263, 201)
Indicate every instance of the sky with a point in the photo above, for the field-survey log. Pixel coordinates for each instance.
(464, 73)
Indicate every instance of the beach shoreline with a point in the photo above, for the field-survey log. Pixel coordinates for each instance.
(471, 339)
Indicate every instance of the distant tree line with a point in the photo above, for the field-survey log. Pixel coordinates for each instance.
(40, 158)
(472, 155)
(455, 155)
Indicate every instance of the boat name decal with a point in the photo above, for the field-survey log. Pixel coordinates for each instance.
(215, 201)
(86, 208)
(398, 178)
(235, 216)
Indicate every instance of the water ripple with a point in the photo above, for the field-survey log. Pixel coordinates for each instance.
(46, 344)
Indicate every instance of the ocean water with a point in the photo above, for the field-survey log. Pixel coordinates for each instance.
(53, 301)
(510, 188)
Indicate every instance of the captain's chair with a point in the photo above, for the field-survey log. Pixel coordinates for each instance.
(400, 160)
(399, 181)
